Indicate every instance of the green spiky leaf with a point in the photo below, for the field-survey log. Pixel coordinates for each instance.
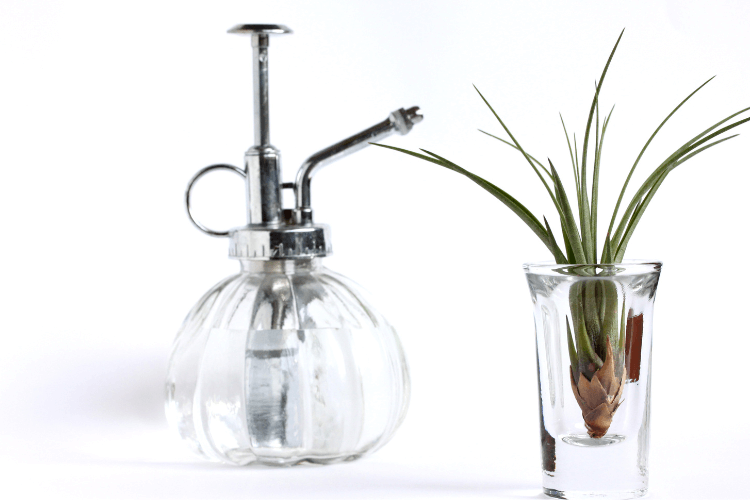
(580, 236)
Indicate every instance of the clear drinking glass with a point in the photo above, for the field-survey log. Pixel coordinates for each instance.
(593, 336)
(285, 363)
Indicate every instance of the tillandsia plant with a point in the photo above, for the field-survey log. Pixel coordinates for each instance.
(597, 327)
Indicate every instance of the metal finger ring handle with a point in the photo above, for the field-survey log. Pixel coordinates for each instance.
(197, 176)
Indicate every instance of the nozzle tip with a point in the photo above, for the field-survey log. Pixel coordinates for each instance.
(405, 119)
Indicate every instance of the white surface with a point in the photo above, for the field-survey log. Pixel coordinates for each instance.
(107, 110)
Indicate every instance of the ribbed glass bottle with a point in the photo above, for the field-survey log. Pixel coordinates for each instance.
(286, 363)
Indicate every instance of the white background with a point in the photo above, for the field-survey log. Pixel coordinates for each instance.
(108, 108)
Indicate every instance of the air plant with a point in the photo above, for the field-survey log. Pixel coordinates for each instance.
(597, 339)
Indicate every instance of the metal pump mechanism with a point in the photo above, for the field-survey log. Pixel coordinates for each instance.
(273, 232)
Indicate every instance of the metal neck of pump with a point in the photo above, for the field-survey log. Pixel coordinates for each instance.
(284, 266)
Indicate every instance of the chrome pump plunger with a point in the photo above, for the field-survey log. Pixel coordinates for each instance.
(273, 232)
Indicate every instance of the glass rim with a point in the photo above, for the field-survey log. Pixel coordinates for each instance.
(626, 267)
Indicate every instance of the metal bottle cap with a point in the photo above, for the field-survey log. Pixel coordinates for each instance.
(273, 232)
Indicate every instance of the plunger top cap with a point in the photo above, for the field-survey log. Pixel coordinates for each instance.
(260, 29)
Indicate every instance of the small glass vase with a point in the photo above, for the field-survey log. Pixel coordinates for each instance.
(593, 336)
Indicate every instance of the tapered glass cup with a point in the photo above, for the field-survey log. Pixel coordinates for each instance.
(593, 336)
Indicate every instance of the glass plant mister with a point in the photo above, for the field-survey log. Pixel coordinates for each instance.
(285, 362)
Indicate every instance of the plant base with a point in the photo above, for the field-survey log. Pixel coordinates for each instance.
(586, 440)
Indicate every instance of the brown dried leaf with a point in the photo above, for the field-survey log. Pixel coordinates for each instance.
(600, 397)
(599, 420)
(584, 389)
(606, 374)
(597, 395)
(579, 400)
(633, 344)
(614, 389)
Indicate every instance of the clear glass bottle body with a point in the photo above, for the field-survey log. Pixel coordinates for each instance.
(575, 464)
(286, 363)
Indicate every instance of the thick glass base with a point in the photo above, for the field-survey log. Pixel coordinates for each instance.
(605, 467)
(611, 495)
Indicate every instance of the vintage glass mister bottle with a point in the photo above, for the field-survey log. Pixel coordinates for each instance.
(285, 362)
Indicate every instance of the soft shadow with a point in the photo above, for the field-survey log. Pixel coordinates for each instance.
(93, 387)
(361, 479)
